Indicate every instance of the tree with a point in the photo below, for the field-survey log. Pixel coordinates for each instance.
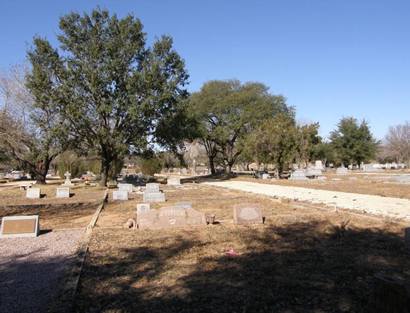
(228, 110)
(275, 141)
(111, 88)
(398, 142)
(32, 131)
(307, 140)
(353, 142)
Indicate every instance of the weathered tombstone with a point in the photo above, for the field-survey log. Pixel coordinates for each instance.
(247, 214)
(19, 226)
(120, 195)
(33, 193)
(63, 192)
(342, 171)
(168, 217)
(143, 208)
(298, 175)
(174, 181)
(319, 165)
(265, 176)
(153, 196)
(313, 172)
(125, 187)
(67, 181)
(152, 187)
(184, 171)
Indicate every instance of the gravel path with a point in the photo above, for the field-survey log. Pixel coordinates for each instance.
(31, 269)
(385, 206)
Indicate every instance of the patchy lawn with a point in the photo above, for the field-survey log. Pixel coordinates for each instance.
(303, 259)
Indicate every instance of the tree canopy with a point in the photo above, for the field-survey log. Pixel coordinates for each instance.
(226, 111)
(353, 142)
(112, 90)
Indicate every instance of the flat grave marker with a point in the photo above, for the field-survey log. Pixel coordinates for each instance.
(174, 181)
(143, 208)
(152, 187)
(33, 193)
(168, 217)
(247, 214)
(19, 226)
(153, 196)
(63, 192)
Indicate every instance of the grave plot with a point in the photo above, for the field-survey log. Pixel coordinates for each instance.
(302, 259)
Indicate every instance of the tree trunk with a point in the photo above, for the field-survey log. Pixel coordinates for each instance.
(41, 170)
(105, 168)
(212, 165)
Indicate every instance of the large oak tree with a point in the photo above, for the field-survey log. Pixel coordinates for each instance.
(112, 89)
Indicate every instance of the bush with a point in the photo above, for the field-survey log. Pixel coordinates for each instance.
(150, 166)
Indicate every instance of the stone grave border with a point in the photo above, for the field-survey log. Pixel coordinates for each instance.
(64, 302)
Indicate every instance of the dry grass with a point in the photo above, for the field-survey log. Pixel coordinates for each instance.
(303, 259)
(369, 185)
(75, 212)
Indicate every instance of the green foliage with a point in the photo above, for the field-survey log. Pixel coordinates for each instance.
(228, 110)
(307, 140)
(112, 90)
(353, 142)
(150, 166)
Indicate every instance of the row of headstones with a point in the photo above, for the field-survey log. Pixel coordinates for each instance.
(152, 193)
(35, 193)
(182, 214)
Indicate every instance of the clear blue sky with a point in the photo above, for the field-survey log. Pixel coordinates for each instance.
(330, 58)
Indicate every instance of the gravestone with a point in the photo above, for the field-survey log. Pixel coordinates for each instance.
(319, 165)
(298, 175)
(19, 226)
(342, 171)
(120, 195)
(67, 181)
(33, 193)
(143, 208)
(63, 192)
(313, 172)
(153, 196)
(174, 181)
(247, 214)
(152, 187)
(168, 217)
(125, 187)
(265, 176)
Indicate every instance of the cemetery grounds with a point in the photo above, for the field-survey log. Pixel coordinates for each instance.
(304, 258)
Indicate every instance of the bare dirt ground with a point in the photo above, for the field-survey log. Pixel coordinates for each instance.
(11, 196)
(303, 259)
(379, 184)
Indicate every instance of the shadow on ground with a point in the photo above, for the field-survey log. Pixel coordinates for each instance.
(298, 268)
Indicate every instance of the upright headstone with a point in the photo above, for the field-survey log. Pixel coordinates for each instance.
(63, 192)
(67, 181)
(247, 214)
(125, 187)
(153, 196)
(265, 176)
(152, 187)
(33, 193)
(319, 165)
(313, 172)
(143, 208)
(342, 171)
(298, 175)
(19, 226)
(120, 195)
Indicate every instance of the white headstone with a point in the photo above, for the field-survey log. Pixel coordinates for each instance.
(120, 195)
(319, 165)
(125, 187)
(298, 175)
(342, 171)
(265, 176)
(153, 196)
(63, 192)
(33, 193)
(152, 187)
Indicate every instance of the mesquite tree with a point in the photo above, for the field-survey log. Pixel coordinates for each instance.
(112, 89)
